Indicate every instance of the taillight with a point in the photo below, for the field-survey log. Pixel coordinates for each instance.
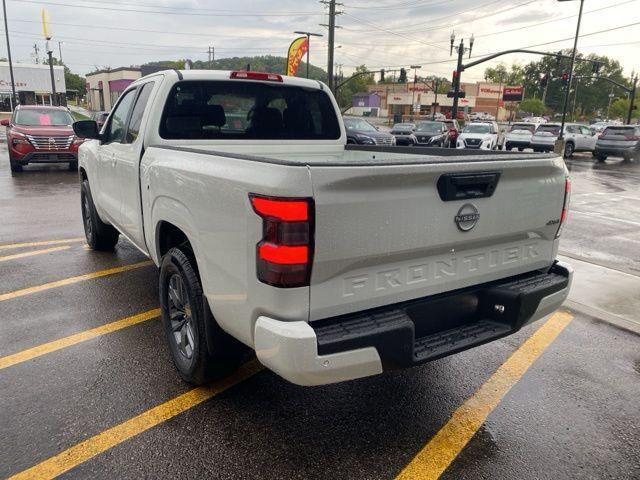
(565, 206)
(268, 77)
(285, 253)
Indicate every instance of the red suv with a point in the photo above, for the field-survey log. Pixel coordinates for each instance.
(38, 134)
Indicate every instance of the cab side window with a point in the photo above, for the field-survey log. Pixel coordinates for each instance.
(116, 129)
(138, 111)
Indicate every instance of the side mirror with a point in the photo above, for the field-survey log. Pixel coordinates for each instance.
(4, 122)
(87, 129)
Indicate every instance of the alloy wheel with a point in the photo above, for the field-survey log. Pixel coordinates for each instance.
(180, 316)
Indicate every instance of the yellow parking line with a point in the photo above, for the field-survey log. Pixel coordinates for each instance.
(76, 338)
(72, 280)
(446, 445)
(32, 253)
(83, 451)
(42, 243)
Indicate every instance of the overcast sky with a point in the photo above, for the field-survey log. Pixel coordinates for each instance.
(378, 33)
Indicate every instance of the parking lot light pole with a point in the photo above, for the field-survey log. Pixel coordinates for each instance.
(573, 61)
(415, 81)
(308, 35)
(6, 31)
(632, 98)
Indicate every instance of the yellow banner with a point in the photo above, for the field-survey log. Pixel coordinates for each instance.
(297, 50)
(46, 29)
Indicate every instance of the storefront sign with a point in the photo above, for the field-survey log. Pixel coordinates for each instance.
(31, 78)
(513, 94)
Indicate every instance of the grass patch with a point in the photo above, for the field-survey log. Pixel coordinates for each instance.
(79, 116)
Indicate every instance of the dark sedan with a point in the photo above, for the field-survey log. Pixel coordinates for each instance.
(361, 132)
(432, 134)
(404, 133)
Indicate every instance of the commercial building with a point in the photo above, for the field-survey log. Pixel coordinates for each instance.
(32, 84)
(409, 99)
(105, 86)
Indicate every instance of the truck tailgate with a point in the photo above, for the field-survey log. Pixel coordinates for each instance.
(385, 234)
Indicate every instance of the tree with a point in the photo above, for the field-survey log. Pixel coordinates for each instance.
(533, 106)
(500, 74)
(344, 94)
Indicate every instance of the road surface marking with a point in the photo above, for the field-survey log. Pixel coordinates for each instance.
(83, 451)
(42, 243)
(45, 348)
(32, 253)
(446, 445)
(605, 216)
(72, 280)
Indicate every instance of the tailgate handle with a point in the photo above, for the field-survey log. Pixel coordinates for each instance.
(460, 186)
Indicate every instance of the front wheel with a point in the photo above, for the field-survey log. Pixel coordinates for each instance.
(186, 316)
(568, 150)
(99, 235)
(601, 158)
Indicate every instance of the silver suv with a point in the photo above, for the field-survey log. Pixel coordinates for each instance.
(619, 141)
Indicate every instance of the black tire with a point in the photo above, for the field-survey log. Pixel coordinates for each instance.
(521, 149)
(601, 158)
(73, 166)
(569, 148)
(508, 147)
(15, 166)
(196, 361)
(99, 235)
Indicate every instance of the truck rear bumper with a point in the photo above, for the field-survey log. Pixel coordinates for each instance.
(410, 333)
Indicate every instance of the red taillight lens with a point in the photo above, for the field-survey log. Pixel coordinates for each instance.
(565, 205)
(284, 255)
(268, 77)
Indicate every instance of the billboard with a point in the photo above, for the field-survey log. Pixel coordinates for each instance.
(513, 94)
(31, 78)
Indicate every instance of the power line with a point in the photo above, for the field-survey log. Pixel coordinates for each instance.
(199, 14)
(400, 6)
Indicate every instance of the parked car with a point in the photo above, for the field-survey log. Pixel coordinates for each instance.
(41, 134)
(439, 117)
(578, 138)
(100, 118)
(519, 136)
(619, 141)
(404, 133)
(278, 238)
(432, 134)
(481, 135)
(454, 131)
(361, 132)
(535, 120)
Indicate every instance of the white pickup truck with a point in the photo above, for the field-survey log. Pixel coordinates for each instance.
(332, 262)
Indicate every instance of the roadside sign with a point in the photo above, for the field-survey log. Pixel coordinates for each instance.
(513, 94)
(46, 20)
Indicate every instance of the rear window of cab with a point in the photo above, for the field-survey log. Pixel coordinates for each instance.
(219, 110)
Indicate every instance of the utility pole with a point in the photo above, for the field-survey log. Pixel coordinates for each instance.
(6, 31)
(308, 35)
(332, 31)
(60, 51)
(575, 99)
(568, 87)
(211, 52)
(36, 52)
(546, 87)
(435, 100)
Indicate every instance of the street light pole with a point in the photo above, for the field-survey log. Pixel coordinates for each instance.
(60, 51)
(415, 80)
(459, 68)
(308, 35)
(54, 99)
(6, 31)
(632, 97)
(573, 61)
(435, 100)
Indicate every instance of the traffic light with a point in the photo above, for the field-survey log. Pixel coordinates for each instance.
(403, 76)
(454, 79)
(544, 80)
(565, 78)
(382, 75)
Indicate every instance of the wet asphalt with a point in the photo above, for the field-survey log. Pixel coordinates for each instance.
(574, 414)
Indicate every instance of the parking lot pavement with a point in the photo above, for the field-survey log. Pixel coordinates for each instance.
(89, 391)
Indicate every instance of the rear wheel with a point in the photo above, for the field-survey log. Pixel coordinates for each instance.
(521, 149)
(99, 235)
(601, 158)
(186, 316)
